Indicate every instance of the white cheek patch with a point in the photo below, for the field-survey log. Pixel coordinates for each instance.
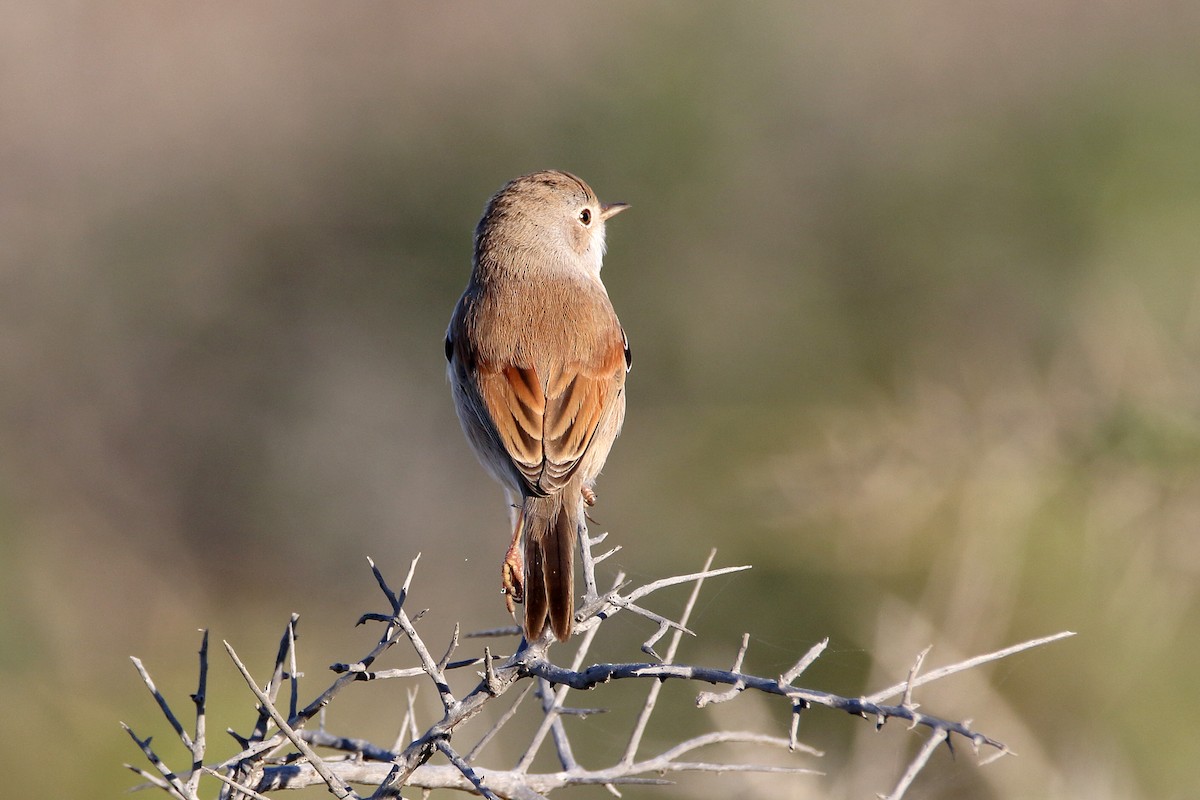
(597, 248)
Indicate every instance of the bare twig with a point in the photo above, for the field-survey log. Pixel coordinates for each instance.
(919, 761)
(153, 780)
(713, 697)
(639, 727)
(675, 580)
(668, 759)
(445, 659)
(489, 672)
(500, 723)
(942, 672)
(200, 700)
(293, 673)
(336, 785)
(907, 700)
(285, 647)
(235, 785)
(172, 783)
(586, 543)
(163, 705)
(551, 705)
(466, 769)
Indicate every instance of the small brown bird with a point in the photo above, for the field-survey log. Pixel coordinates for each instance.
(537, 367)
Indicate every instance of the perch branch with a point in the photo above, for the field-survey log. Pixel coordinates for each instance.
(285, 759)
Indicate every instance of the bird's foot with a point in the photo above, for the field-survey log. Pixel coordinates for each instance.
(512, 577)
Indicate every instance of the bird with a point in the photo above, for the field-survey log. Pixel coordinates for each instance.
(537, 365)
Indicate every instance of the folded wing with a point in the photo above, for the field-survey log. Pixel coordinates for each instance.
(546, 423)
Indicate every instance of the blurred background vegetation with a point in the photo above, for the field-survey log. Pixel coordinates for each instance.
(914, 301)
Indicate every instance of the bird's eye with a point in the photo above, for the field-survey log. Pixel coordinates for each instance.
(585, 216)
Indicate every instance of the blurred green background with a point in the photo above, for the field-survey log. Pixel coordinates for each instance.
(912, 291)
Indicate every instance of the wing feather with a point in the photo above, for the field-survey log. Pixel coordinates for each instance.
(575, 414)
(543, 413)
(516, 405)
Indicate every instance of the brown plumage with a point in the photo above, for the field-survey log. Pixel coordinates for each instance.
(537, 368)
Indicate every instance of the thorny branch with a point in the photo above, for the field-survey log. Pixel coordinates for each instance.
(280, 751)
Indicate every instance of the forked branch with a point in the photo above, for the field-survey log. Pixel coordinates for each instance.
(280, 752)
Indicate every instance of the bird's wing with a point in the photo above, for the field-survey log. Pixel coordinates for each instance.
(547, 423)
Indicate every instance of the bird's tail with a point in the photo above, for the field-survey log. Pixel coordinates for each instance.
(551, 528)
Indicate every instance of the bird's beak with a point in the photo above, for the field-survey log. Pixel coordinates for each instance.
(612, 209)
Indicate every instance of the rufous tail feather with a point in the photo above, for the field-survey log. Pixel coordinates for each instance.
(550, 534)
